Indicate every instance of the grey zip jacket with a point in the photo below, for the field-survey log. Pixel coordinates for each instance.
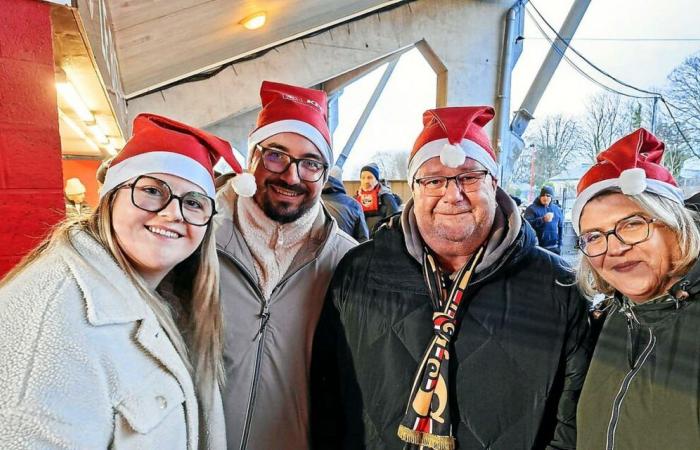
(267, 348)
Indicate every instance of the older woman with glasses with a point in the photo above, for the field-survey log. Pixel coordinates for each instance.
(640, 248)
(111, 328)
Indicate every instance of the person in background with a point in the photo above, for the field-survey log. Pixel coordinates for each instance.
(547, 220)
(278, 251)
(344, 209)
(640, 250)
(450, 328)
(376, 199)
(75, 198)
(95, 352)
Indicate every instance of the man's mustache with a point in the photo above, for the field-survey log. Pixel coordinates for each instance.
(297, 188)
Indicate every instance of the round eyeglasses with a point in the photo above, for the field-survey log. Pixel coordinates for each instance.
(154, 195)
(277, 161)
(629, 231)
(437, 186)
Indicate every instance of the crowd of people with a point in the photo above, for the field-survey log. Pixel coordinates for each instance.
(188, 311)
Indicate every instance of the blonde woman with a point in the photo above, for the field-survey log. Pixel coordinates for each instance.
(640, 249)
(111, 328)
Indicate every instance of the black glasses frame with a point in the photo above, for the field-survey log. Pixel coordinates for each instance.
(292, 160)
(170, 199)
(482, 176)
(606, 235)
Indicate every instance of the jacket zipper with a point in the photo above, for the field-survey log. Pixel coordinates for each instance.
(264, 318)
(624, 387)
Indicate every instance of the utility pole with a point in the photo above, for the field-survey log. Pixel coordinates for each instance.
(533, 153)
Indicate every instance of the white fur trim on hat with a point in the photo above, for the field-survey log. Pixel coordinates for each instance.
(159, 162)
(291, 126)
(661, 188)
(434, 148)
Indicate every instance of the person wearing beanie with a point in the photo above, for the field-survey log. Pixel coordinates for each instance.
(547, 220)
(75, 198)
(111, 328)
(278, 250)
(451, 328)
(639, 263)
(344, 209)
(376, 199)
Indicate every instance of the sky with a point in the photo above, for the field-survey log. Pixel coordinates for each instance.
(637, 41)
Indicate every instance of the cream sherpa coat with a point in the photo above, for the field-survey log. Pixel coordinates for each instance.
(84, 363)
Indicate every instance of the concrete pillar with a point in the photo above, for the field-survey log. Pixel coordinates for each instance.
(31, 182)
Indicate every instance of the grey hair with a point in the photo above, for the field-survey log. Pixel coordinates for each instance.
(683, 222)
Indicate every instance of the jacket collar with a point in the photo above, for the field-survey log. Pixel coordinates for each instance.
(689, 285)
(110, 295)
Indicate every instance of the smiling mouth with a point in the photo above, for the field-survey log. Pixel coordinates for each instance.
(163, 232)
(626, 267)
(285, 192)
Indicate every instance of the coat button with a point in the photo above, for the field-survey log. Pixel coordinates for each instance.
(162, 402)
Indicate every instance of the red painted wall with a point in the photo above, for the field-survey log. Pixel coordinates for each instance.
(31, 183)
(85, 170)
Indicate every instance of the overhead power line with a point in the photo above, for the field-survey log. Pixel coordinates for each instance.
(565, 42)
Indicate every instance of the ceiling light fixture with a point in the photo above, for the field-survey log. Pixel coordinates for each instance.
(77, 130)
(70, 95)
(254, 21)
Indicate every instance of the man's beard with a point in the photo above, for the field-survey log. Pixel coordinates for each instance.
(281, 212)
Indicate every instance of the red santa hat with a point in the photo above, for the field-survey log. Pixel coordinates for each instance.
(293, 109)
(632, 165)
(162, 145)
(453, 134)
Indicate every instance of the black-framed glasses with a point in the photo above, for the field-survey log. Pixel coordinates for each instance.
(277, 161)
(630, 231)
(154, 195)
(436, 186)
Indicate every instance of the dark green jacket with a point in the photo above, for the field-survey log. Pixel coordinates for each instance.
(642, 391)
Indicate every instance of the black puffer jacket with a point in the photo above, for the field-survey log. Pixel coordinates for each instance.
(519, 357)
(344, 209)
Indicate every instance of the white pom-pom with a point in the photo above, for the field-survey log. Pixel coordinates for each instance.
(244, 184)
(452, 156)
(633, 181)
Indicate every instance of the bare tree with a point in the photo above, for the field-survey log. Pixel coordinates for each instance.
(392, 164)
(556, 143)
(607, 119)
(684, 95)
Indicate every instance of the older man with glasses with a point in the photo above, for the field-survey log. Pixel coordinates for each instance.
(451, 328)
(277, 253)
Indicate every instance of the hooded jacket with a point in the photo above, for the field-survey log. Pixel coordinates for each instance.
(518, 358)
(549, 234)
(267, 342)
(85, 364)
(642, 390)
(344, 209)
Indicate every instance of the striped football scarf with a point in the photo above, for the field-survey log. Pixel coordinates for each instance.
(427, 421)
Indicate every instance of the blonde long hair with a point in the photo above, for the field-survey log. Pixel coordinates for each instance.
(683, 222)
(199, 339)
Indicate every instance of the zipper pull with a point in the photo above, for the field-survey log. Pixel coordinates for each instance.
(264, 317)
